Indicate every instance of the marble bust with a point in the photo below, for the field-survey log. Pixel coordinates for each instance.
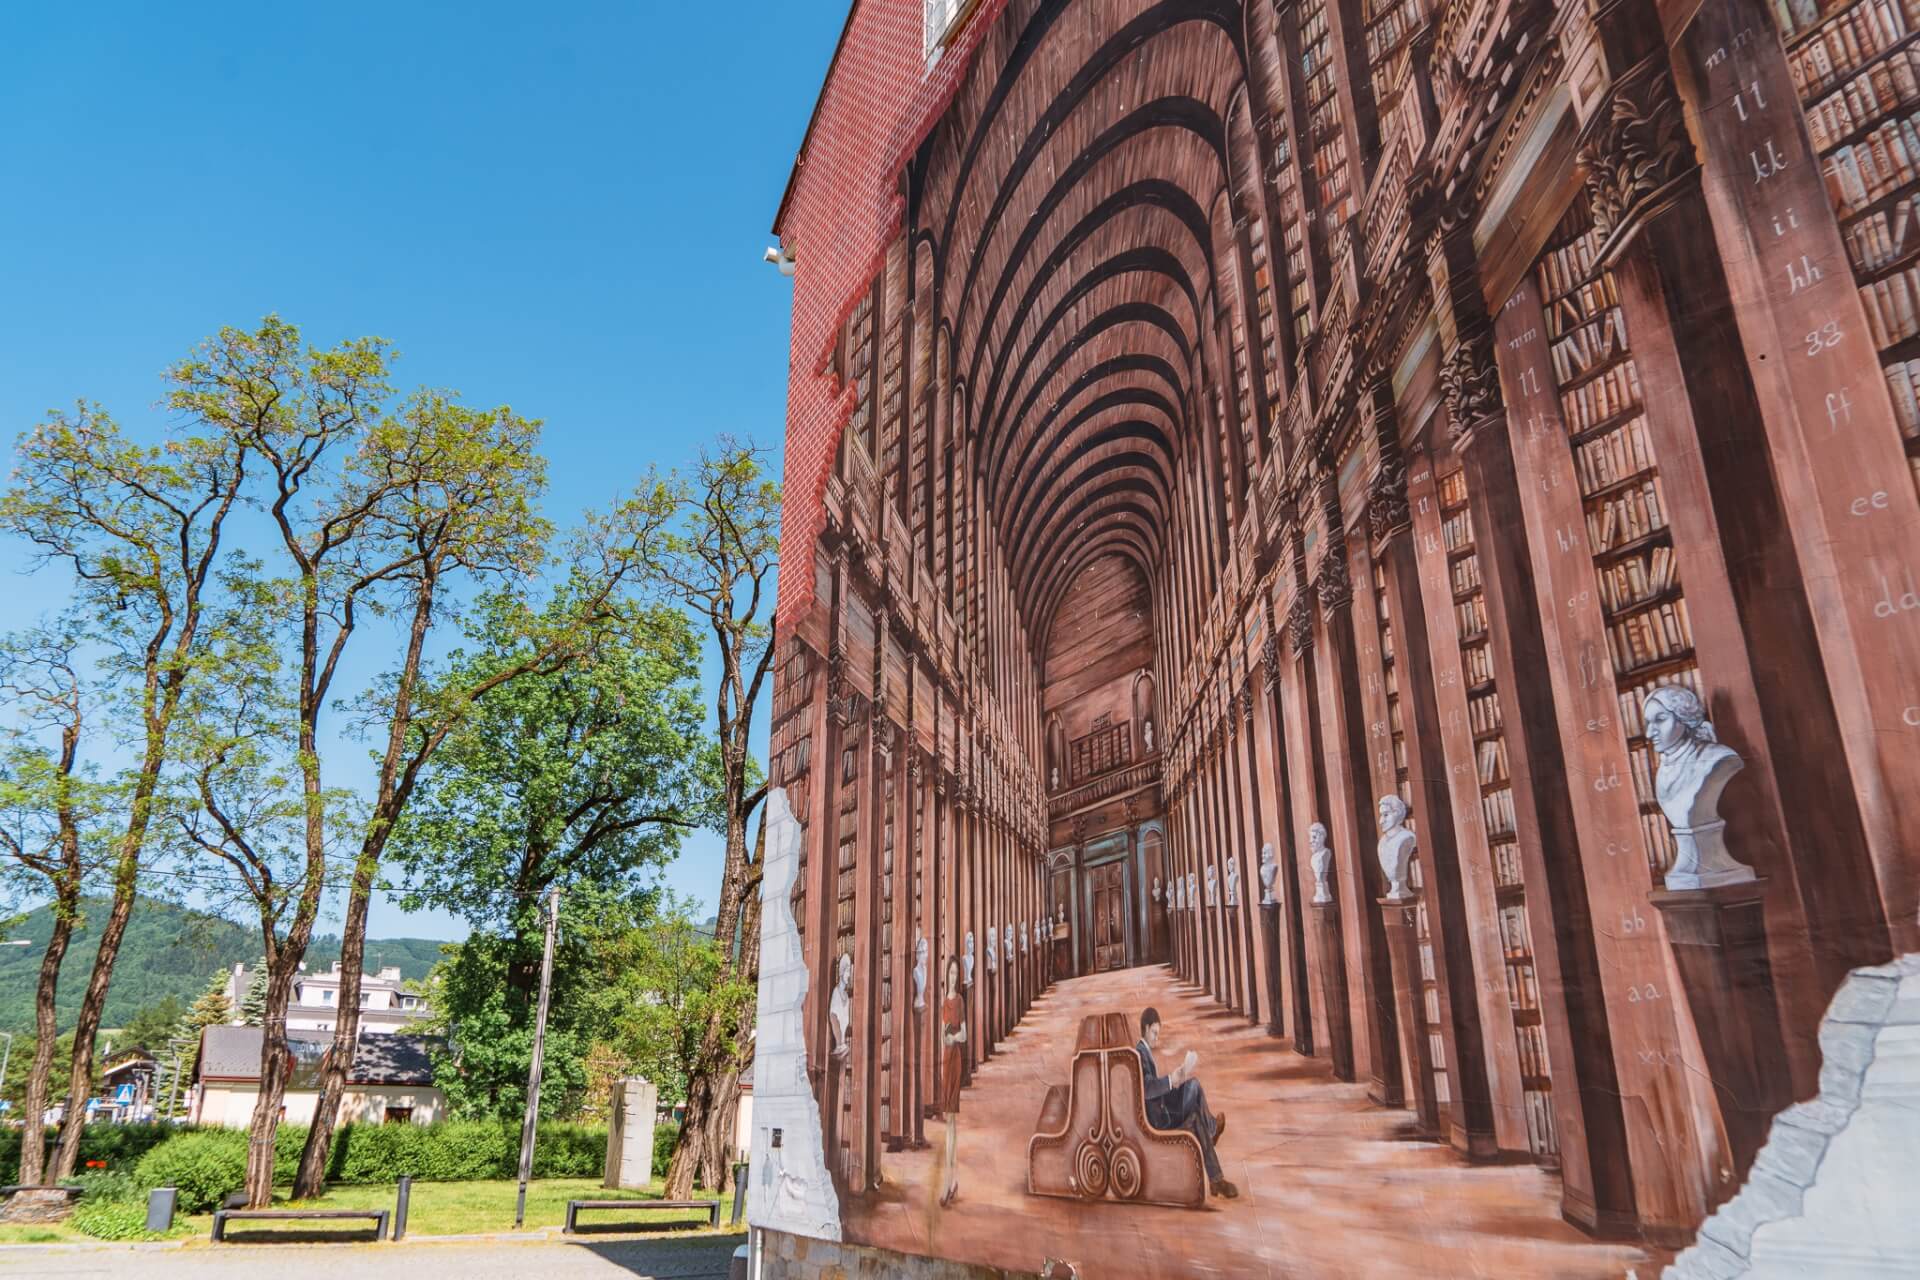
(1023, 937)
(966, 962)
(1056, 777)
(1233, 882)
(1063, 913)
(840, 1007)
(1156, 888)
(1009, 943)
(1397, 846)
(1193, 889)
(1695, 768)
(993, 950)
(1269, 869)
(920, 972)
(1320, 859)
(1213, 885)
(1146, 734)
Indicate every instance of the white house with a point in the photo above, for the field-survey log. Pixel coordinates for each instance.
(385, 1003)
(391, 1081)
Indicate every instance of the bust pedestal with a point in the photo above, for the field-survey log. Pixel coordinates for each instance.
(1270, 945)
(1401, 918)
(1333, 988)
(1719, 941)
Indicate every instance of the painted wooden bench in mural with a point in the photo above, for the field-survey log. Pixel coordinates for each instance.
(1093, 1140)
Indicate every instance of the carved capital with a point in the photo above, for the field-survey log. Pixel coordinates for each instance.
(1471, 382)
(1636, 153)
(1333, 584)
(1300, 623)
(1387, 512)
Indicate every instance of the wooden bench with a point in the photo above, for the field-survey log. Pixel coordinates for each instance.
(224, 1216)
(1093, 1141)
(710, 1207)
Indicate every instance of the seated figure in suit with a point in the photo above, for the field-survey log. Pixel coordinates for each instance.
(1176, 1101)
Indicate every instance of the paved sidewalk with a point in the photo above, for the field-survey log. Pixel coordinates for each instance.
(706, 1258)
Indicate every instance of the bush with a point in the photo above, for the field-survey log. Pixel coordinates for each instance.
(118, 1146)
(113, 1207)
(665, 1134)
(456, 1151)
(204, 1167)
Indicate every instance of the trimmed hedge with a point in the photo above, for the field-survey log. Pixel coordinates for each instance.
(208, 1165)
(118, 1146)
(205, 1168)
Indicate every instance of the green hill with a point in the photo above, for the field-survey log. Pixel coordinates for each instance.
(169, 951)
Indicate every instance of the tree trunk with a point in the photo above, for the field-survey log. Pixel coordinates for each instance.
(708, 1084)
(93, 1004)
(33, 1136)
(276, 1069)
(311, 1180)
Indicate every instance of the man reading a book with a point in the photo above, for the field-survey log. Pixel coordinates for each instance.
(1176, 1101)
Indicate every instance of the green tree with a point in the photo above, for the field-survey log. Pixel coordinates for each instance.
(181, 1055)
(253, 1001)
(586, 775)
(669, 987)
(713, 548)
(140, 528)
(483, 997)
(153, 1026)
(50, 808)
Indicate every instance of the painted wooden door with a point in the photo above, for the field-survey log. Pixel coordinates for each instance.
(1109, 917)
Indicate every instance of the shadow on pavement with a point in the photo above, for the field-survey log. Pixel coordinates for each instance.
(706, 1257)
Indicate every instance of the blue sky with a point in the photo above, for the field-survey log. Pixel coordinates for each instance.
(558, 207)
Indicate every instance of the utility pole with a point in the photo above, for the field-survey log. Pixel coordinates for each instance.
(532, 1121)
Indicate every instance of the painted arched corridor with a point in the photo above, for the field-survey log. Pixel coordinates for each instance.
(1313, 547)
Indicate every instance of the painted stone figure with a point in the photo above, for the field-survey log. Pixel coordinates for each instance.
(1009, 943)
(966, 962)
(1193, 889)
(1269, 869)
(1695, 768)
(1233, 882)
(1320, 859)
(1396, 847)
(1023, 937)
(840, 1007)
(993, 950)
(1156, 888)
(920, 973)
(1213, 885)
(1146, 735)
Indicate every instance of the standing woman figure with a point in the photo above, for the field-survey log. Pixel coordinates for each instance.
(953, 1040)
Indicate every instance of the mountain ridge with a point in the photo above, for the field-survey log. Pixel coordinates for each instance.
(169, 950)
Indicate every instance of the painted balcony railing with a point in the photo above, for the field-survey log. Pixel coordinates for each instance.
(1105, 787)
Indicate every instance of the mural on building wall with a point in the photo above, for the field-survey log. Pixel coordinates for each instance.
(1348, 689)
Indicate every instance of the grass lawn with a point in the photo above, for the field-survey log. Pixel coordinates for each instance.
(463, 1208)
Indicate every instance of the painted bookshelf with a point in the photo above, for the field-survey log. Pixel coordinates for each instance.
(1429, 1003)
(1856, 68)
(1326, 133)
(1502, 840)
(1649, 635)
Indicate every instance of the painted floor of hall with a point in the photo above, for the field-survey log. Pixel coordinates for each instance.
(1330, 1185)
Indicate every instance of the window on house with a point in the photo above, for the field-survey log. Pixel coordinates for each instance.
(326, 997)
(399, 1115)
